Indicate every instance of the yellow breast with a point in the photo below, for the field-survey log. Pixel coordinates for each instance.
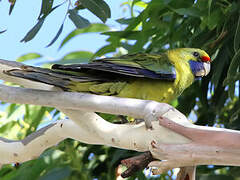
(159, 90)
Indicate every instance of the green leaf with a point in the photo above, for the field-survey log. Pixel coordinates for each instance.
(133, 24)
(14, 112)
(125, 20)
(177, 4)
(215, 177)
(10, 109)
(5, 169)
(57, 174)
(3, 31)
(7, 128)
(214, 18)
(234, 64)
(91, 28)
(33, 116)
(188, 11)
(232, 71)
(78, 54)
(138, 46)
(29, 170)
(231, 90)
(46, 8)
(209, 6)
(76, 57)
(11, 8)
(139, 3)
(32, 33)
(28, 56)
(57, 35)
(131, 35)
(10, 174)
(232, 79)
(97, 7)
(104, 50)
(235, 115)
(219, 64)
(78, 20)
(237, 36)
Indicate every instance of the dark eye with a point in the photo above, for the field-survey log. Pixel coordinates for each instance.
(196, 54)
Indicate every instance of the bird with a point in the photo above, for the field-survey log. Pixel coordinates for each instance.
(159, 77)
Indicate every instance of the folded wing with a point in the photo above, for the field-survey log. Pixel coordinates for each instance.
(135, 65)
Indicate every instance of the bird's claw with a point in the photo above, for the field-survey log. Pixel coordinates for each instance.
(148, 121)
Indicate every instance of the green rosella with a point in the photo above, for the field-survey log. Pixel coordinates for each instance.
(159, 77)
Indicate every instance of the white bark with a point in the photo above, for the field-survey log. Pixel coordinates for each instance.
(93, 129)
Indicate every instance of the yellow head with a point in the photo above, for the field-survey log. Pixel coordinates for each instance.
(189, 56)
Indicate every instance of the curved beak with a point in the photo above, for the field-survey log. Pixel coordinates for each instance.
(205, 70)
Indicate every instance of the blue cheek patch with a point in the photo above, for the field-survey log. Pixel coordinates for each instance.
(196, 66)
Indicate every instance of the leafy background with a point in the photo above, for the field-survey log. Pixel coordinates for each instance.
(154, 26)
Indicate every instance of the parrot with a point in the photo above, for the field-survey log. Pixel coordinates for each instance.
(159, 77)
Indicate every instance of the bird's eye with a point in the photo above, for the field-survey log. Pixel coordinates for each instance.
(196, 54)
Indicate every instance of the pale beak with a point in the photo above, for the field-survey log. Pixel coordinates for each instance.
(205, 70)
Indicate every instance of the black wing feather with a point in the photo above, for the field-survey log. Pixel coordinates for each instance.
(116, 69)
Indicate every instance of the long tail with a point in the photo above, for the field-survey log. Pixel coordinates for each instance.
(48, 76)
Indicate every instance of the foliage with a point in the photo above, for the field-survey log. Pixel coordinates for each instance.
(154, 26)
(97, 7)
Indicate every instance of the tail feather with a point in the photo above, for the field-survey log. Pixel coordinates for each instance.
(48, 76)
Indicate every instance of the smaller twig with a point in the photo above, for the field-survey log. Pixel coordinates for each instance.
(187, 173)
(136, 163)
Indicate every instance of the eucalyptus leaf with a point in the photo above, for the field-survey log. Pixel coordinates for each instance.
(237, 36)
(215, 177)
(46, 8)
(188, 11)
(234, 64)
(75, 57)
(90, 29)
(233, 70)
(28, 56)
(125, 20)
(209, 6)
(78, 20)
(97, 7)
(78, 54)
(3, 31)
(104, 50)
(32, 33)
(57, 35)
(131, 35)
(214, 19)
(11, 8)
(57, 173)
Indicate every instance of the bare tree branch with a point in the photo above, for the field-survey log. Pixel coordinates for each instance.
(173, 138)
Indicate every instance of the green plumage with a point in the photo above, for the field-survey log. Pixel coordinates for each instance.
(160, 77)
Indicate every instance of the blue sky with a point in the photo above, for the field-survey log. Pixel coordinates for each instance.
(24, 17)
